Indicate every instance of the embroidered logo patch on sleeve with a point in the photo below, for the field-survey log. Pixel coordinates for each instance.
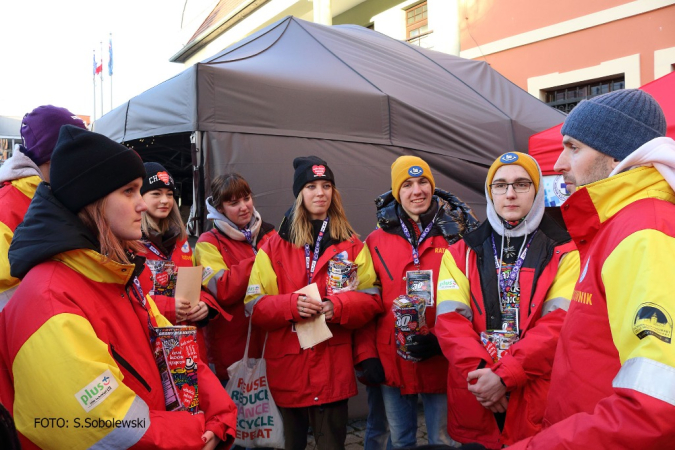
(446, 285)
(206, 274)
(253, 289)
(98, 390)
(652, 320)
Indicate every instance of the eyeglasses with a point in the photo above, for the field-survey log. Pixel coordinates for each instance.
(520, 187)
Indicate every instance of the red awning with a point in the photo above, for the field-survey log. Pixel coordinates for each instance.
(546, 146)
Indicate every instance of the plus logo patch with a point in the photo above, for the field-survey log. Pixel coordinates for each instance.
(98, 390)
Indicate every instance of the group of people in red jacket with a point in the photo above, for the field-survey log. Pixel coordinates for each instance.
(518, 309)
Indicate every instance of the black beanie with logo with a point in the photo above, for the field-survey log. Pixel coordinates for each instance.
(157, 177)
(308, 169)
(87, 166)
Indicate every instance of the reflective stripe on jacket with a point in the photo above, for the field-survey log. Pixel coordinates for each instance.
(464, 310)
(325, 372)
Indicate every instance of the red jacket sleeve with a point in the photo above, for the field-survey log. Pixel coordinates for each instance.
(365, 346)
(532, 356)
(276, 311)
(627, 419)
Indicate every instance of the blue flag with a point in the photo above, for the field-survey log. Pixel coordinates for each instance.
(110, 58)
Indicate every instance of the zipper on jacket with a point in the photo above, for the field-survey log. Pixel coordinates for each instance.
(475, 302)
(123, 362)
(383, 263)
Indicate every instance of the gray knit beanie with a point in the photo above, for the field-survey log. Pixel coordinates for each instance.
(617, 123)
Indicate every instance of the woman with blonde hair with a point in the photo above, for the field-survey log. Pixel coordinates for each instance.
(77, 335)
(311, 386)
(166, 251)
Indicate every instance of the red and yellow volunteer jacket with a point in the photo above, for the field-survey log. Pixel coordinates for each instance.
(227, 266)
(182, 257)
(15, 196)
(325, 372)
(77, 347)
(468, 303)
(613, 382)
(392, 259)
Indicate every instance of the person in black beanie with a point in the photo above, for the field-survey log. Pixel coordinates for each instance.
(166, 251)
(311, 385)
(80, 316)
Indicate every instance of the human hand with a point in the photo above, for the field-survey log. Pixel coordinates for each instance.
(327, 309)
(499, 406)
(308, 307)
(182, 309)
(210, 440)
(488, 387)
(199, 312)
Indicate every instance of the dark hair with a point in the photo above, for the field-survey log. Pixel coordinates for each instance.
(8, 435)
(230, 186)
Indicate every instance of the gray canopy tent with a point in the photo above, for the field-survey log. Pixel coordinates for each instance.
(352, 96)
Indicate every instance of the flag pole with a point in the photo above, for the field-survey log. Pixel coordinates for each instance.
(94, 86)
(110, 69)
(102, 79)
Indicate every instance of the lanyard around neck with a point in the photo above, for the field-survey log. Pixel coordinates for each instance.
(249, 238)
(415, 251)
(506, 284)
(154, 250)
(317, 248)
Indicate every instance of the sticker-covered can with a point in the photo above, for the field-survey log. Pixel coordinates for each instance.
(409, 315)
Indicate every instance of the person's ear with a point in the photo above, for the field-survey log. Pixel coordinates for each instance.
(615, 162)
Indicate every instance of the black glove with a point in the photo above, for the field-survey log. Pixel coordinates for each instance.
(424, 346)
(373, 372)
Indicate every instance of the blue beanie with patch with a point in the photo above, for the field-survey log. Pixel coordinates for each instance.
(617, 123)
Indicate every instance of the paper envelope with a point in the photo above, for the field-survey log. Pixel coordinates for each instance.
(312, 331)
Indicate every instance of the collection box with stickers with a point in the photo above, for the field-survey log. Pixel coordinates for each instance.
(409, 313)
(163, 274)
(342, 276)
(175, 350)
(496, 342)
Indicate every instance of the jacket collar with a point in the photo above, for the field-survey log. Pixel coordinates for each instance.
(93, 265)
(452, 221)
(594, 204)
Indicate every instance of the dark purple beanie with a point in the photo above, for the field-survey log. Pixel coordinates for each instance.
(40, 131)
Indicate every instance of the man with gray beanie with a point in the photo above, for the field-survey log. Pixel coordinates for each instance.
(21, 174)
(613, 381)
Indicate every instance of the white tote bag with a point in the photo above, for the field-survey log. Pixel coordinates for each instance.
(259, 421)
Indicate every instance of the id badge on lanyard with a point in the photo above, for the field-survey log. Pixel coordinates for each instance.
(421, 284)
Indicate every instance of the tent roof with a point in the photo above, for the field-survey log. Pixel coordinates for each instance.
(347, 83)
(546, 146)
